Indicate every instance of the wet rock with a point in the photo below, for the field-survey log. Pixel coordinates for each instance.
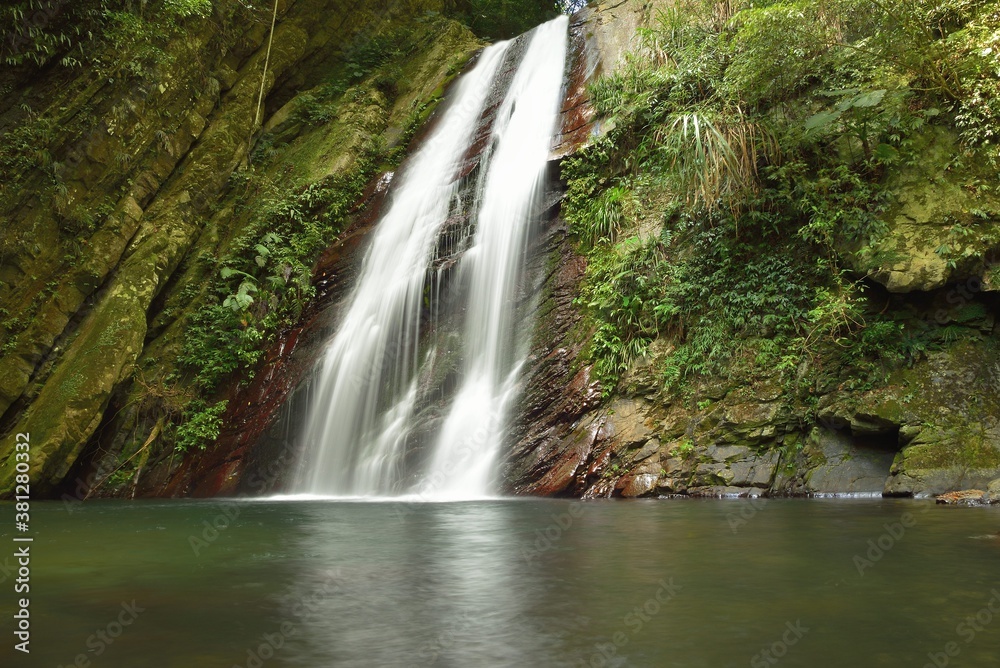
(652, 447)
(968, 497)
(924, 482)
(728, 452)
(640, 485)
(561, 445)
(736, 466)
(601, 35)
(724, 491)
(941, 459)
(847, 465)
(712, 473)
(756, 470)
(555, 427)
(629, 420)
(864, 424)
(750, 423)
(671, 486)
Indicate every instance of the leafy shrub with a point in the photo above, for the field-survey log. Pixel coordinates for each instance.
(37, 31)
(624, 289)
(186, 8)
(201, 425)
(764, 68)
(761, 134)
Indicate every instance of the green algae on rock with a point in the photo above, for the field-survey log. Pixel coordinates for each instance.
(95, 333)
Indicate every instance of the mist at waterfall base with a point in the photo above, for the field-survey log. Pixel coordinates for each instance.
(375, 382)
(513, 583)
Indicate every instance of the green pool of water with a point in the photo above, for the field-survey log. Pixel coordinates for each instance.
(191, 584)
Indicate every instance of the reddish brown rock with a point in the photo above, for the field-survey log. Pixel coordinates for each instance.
(968, 497)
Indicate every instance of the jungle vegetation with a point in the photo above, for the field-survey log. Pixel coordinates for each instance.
(748, 160)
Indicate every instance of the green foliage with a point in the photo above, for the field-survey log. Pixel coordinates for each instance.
(25, 147)
(503, 19)
(686, 448)
(836, 204)
(135, 44)
(217, 343)
(949, 48)
(712, 160)
(729, 295)
(379, 52)
(185, 8)
(760, 134)
(39, 31)
(585, 183)
(264, 281)
(772, 50)
(624, 289)
(261, 279)
(878, 122)
(114, 40)
(261, 284)
(109, 33)
(201, 425)
(119, 477)
(605, 214)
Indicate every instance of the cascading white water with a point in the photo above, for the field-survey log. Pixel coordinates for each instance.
(508, 194)
(367, 387)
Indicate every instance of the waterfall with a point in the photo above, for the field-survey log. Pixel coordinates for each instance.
(370, 382)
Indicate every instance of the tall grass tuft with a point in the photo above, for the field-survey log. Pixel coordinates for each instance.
(715, 160)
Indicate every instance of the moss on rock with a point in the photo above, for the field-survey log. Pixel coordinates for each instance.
(120, 308)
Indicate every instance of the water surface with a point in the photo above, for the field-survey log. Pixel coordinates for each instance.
(513, 583)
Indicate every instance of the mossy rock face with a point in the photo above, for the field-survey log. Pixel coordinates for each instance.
(946, 412)
(110, 143)
(120, 307)
(926, 429)
(943, 459)
(943, 225)
(71, 403)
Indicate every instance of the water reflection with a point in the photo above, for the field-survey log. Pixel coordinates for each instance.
(516, 583)
(444, 586)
